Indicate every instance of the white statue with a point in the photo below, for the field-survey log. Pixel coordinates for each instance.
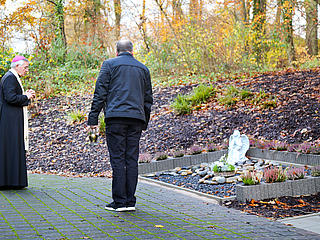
(238, 146)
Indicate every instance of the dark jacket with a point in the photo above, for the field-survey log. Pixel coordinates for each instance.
(124, 89)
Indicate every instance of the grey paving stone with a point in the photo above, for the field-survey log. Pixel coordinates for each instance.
(75, 207)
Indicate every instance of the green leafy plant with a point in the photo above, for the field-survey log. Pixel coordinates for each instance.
(76, 116)
(244, 94)
(102, 125)
(201, 94)
(251, 178)
(183, 104)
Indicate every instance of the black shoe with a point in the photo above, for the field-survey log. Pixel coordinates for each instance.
(114, 207)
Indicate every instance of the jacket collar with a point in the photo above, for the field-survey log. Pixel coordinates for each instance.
(125, 54)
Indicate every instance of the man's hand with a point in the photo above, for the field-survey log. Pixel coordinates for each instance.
(30, 93)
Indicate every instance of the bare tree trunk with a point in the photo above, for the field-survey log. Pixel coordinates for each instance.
(177, 9)
(287, 15)
(142, 26)
(311, 7)
(59, 5)
(117, 13)
(278, 14)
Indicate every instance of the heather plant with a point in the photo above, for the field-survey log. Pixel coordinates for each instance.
(274, 174)
(211, 147)
(315, 171)
(178, 153)
(279, 146)
(195, 150)
(294, 173)
(145, 158)
(304, 147)
(251, 178)
(161, 156)
(292, 147)
(315, 149)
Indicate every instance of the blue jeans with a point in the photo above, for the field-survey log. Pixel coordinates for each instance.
(123, 145)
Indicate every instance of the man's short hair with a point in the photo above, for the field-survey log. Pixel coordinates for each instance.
(124, 46)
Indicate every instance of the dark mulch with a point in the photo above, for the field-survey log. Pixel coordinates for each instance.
(60, 147)
(279, 208)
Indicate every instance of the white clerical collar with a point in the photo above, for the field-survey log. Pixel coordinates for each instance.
(15, 73)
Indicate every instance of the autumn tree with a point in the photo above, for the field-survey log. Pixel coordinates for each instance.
(311, 8)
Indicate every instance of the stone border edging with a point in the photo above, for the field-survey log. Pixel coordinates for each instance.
(184, 161)
(220, 200)
(284, 156)
(309, 185)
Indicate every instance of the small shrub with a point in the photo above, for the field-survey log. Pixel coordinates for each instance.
(244, 94)
(304, 147)
(251, 178)
(315, 149)
(271, 103)
(223, 168)
(195, 150)
(145, 158)
(201, 94)
(315, 171)
(274, 174)
(294, 173)
(279, 146)
(161, 156)
(178, 153)
(216, 168)
(230, 96)
(182, 105)
(76, 116)
(259, 97)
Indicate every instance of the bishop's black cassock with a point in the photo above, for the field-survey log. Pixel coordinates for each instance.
(13, 170)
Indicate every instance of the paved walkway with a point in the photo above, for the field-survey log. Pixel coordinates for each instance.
(54, 207)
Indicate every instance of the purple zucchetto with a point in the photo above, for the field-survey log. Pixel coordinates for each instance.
(18, 58)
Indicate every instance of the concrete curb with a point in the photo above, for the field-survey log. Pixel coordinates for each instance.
(309, 185)
(283, 156)
(185, 161)
(188, 160)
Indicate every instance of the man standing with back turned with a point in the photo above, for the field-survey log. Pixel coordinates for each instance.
(123, 89)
